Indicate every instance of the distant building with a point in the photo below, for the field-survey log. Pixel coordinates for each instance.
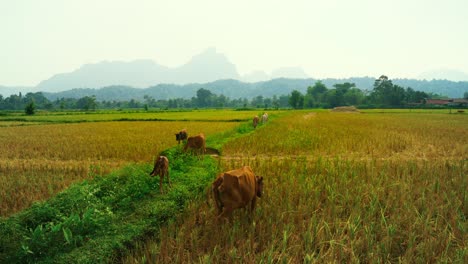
(437, 101)
(460, 102)
(455, 102)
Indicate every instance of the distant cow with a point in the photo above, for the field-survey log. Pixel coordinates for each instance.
(182, 135)
(197, 143)
(264, 118)
(161, 168)
(255, 121)
(236, 189)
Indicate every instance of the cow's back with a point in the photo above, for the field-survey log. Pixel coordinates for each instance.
(238, 187)
(196, 141)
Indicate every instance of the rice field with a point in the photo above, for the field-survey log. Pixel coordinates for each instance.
(100, 116)
(37, 161)
(339, 188)
(360, 136)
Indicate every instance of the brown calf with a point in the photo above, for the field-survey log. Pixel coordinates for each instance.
(197, 143)
(255, 121)
(182, 135)
(161, 168)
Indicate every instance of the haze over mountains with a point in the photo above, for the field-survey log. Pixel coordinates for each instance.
(205, 67)
(447, 74)
(212, 70)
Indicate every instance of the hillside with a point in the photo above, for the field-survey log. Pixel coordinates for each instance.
(237, 89)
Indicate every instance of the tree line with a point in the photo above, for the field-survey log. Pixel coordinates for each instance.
(203, 99)
(384, 94)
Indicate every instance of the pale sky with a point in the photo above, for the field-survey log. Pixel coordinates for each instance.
(327, 38)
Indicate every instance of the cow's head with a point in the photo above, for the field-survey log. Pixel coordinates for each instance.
(259, 185)
(177, 136)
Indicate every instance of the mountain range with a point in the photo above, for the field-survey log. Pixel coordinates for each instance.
(236, 89)
(119, 80)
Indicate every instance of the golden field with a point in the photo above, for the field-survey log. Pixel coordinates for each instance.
(37, 161)
(339, 188)
(360, 136)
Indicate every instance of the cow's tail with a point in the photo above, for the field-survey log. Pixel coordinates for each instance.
(216, 187)
(154, 167)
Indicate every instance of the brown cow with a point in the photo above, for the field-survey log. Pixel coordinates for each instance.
(161, 168)
(236, 189)
(182, 135)
(196, 142)
(255, 121)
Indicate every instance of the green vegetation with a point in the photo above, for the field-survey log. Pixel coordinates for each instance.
(30, 108)
(384, 94)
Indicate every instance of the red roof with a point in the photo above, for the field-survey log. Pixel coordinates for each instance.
(437, 101)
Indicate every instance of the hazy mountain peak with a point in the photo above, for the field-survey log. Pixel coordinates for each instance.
(207, 66)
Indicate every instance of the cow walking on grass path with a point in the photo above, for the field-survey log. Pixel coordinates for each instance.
(161, 168)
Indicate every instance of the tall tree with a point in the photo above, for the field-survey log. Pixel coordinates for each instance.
(30, 108)
(203, 97)
(87, 103)
(296, 100)
(315, 94)
(354, 96)
(386, 93)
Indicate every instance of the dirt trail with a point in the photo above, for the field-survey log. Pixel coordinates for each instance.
(309, 115)
(315, 157)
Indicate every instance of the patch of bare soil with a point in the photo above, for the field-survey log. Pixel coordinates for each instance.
(345, 109)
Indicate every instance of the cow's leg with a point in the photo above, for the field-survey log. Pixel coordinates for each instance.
(252, 204)
(168, 179)
(218, 204)
(161, 183)
(226, 214)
